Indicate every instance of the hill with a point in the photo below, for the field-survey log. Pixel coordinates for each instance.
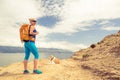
(102, 58)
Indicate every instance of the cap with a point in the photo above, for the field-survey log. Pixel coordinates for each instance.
(32, 19)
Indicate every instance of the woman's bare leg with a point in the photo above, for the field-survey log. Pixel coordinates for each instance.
(35, 64)
(25, 64)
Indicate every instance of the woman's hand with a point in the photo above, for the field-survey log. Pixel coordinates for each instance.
(37, 33)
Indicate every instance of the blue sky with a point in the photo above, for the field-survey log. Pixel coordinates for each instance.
(48, 21)
(87, 37)
(63, 24)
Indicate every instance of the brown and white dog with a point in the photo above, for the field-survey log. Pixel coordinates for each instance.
(54, 60)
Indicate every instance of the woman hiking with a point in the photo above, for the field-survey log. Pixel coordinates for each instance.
(28, 34)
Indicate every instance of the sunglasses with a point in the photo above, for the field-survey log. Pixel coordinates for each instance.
(34, 21)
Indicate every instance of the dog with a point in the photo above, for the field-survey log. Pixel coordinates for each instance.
(54, 60)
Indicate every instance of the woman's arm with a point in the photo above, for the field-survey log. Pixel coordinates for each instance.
(33, 33)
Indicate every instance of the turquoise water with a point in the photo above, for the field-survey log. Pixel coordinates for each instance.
(9, 58)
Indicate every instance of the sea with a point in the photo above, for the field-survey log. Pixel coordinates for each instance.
(9, 58)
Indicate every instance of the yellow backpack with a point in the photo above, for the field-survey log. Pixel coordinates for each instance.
(25, 33)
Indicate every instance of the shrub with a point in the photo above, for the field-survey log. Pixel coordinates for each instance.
(93, 46)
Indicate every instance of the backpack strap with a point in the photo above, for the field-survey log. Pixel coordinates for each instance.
(29, 30)
(31, 36)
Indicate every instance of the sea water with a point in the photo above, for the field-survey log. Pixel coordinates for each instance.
(9, 58)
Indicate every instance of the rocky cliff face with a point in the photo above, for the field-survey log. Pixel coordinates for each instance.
(102, 58)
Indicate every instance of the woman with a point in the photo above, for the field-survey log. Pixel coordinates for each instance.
(31, 47)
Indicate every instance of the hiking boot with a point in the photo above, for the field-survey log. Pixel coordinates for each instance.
(37, 71)
(26, 72)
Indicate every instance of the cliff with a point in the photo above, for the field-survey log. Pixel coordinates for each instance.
(102, 58)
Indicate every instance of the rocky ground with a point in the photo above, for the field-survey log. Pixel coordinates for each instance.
(68, 69)
(102, 58)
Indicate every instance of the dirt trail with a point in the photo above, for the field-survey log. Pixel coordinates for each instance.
(67, 70)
